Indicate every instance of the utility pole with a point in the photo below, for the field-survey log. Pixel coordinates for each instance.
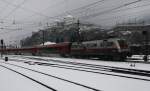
(43, 39)
(145, 33)
(78, 30)
(2, 46)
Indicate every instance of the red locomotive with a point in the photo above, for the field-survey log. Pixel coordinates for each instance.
(112, 49)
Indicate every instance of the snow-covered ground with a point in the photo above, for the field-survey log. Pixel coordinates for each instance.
(98, 81)
(131, 65)
(10, 81)
(139, 57)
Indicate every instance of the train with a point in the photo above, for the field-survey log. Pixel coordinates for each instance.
(110, 49)
(140, 49)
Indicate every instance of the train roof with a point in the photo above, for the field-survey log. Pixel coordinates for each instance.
(110, 39)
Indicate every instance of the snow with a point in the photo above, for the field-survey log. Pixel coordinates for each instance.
(141, 66)
(139, 57)
(54, 83)
(10, 81)
(98, 81)
(54, 61)
(48, 43)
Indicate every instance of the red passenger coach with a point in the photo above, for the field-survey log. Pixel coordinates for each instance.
(61, 48)
(32, 50)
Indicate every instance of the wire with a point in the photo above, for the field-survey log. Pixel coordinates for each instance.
(24, 8)
(73, 10)
(3, 9)
(147, 4)
(121, 6)
(17, 7)
(8, 32)
(17, 29)
(86, 6)
(110, 10)
(51, 6)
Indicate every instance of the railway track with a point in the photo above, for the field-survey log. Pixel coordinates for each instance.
(65, 80)
(100, 67)
(94, 68)
(48, 87)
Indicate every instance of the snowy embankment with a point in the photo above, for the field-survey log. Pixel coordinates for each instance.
(130, 65)
(99, 81)
(10, 81)
(139, 57)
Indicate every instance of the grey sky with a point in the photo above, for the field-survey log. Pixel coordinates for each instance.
(18, 18)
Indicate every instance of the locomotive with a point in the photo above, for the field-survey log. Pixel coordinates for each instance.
(111, 49)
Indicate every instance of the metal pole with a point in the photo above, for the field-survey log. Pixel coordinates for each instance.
(2, 43)
(145, 33)
(43, 37)
(78, 30)
(146, 47)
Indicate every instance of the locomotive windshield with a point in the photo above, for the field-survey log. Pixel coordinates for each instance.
(123, 43)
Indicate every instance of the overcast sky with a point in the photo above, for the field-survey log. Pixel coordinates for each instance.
(18, 18)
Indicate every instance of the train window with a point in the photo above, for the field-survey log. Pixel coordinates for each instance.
(110, 44)
(103, 44)
(91, 45)
(106, 44)
(87, 45)
(80, 46)
(77, 46)
(95, 45)
(74, 46)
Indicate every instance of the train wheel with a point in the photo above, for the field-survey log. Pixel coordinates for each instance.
(63, 55)
(33, 54)
(110, 58)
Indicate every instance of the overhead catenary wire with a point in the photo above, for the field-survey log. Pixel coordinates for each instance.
(19, 29)
(101, 13)
(84, 7)
(51, 6)
(23, 8)
(110, 10)
(99, 19)
(38, 13)
(119, 9)
(54, 5)
(19, 6)
(124, 5)
(59, 16)
(3, 9)
(124, 15)
(98, 13)
(88, 6)
(16, 8)
(129, 7)
(76, 9)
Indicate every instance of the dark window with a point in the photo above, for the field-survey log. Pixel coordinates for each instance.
(123, 44)
(110, 44)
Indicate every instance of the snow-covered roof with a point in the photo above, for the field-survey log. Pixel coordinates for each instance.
(48, 43)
